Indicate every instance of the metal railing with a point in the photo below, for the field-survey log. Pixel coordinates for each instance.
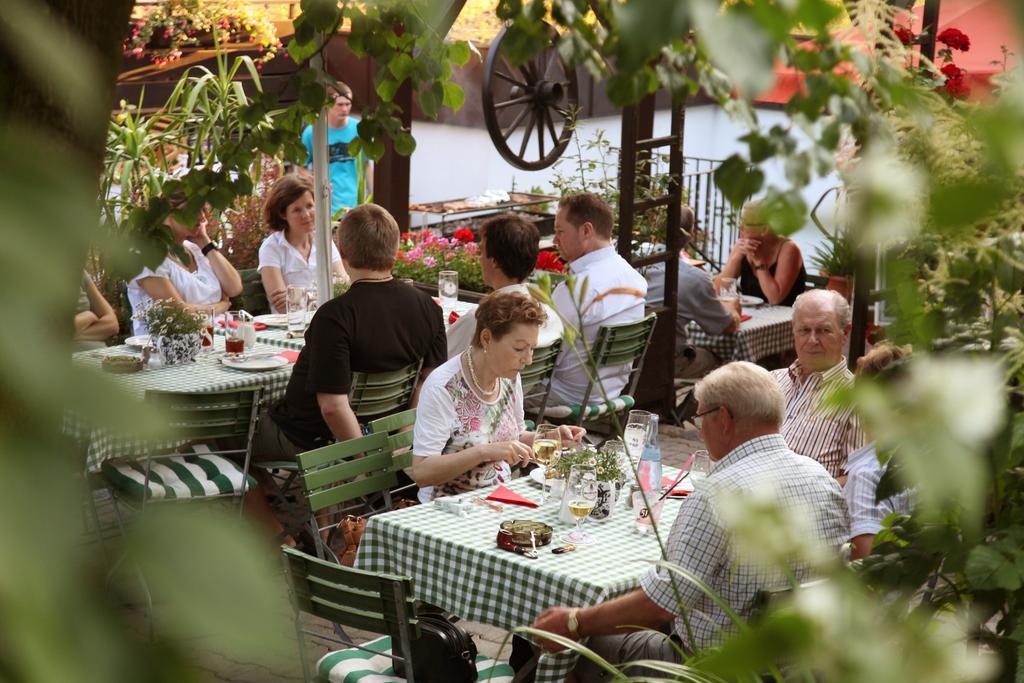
(715, 226)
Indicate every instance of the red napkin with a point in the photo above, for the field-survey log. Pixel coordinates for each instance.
(290, 356)
(234, 324)
(683, 488)
(744, 317)
(452, 317)
(503, 494)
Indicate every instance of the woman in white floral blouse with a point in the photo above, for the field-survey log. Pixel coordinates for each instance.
(470, 430)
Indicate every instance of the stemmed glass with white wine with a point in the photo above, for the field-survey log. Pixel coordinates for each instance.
(547, 446)
(581, 488)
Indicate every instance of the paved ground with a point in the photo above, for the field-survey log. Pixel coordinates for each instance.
(676, 445)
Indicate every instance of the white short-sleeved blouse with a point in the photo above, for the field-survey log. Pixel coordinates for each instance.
(278, 252)
(200, 287)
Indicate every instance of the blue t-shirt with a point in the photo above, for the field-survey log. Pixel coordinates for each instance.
(341, 165)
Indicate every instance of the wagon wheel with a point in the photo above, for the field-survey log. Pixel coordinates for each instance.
(529, 108)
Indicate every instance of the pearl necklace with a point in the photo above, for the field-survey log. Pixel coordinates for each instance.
(472, 376)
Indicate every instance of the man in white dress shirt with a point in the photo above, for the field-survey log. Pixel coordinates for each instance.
(614, 293)
(508, 253)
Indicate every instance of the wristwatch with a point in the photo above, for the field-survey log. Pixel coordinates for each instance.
(761, 266)
(209, 247)
(573, 625)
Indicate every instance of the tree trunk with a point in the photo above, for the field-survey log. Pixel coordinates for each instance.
(101, 25)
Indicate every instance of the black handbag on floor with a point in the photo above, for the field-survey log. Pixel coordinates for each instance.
(444, 652)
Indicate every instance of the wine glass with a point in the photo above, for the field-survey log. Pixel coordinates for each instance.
(617, 449)
(581, 488)
(638, 425)
(547, 445)
(701, 466)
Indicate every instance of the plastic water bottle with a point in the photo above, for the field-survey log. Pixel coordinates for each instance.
(649, 471)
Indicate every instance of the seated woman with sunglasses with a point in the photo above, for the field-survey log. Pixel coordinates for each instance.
(470, 430)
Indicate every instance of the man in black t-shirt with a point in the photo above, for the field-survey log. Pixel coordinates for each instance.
(379, 324)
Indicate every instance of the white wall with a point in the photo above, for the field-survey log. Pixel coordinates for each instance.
(451, 162)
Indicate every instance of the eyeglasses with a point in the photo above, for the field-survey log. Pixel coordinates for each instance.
(708, 411)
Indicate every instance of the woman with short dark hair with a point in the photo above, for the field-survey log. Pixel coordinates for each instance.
(287, 256)
(470, 429)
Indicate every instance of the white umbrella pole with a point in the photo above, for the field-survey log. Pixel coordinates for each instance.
(322, 200)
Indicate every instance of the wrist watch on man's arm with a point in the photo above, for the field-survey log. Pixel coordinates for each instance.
(573, 625)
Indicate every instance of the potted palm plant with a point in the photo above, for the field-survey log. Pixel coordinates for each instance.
(836, 257)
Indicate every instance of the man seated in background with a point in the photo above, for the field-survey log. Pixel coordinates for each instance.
(695, 301)
(742, 411)
(614, 294)
(821, 326)
(508, 254)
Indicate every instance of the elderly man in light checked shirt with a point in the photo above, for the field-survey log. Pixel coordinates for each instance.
(821, 326)
(742, 410)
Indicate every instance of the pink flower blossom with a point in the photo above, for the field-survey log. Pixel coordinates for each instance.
(429, 261)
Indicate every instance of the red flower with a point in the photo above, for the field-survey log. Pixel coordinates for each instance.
(952, 72)
(905, 35)
(956, 88)
(464, 235)
(549, 261)
(955, 39)
(874, 334)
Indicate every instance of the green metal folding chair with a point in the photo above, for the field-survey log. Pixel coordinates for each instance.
(372, 394)
(379, 603)
(341, 477)
(379, 393)
(536, 379)
(398, 428)
(202, 471)
(617, 345)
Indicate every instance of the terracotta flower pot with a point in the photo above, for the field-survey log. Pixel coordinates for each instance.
(841, 284)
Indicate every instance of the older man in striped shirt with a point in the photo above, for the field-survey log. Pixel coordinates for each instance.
(821, 326)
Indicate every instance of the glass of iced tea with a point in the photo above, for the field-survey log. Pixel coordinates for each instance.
(234, 343)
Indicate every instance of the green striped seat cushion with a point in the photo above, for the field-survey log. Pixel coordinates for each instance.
(352, 665)
(199, 475)
(594, 410)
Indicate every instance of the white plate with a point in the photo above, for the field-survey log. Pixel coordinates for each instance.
(256, 364)
(751, 300)
(272, 319)
(138, 341)
(278, 319)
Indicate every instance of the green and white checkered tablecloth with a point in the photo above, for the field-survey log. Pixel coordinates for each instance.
(769, 331)
(207, 374)
(278, 336)
(455, 563)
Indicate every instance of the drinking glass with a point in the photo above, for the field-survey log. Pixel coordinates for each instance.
(547, 446)
(208, 316)
(617, 449)
(638, 426)
(448, 290)
(729, 294)
(646, 515)
(298, 298)
(701, 466)
(234, 343)
(581, 488)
